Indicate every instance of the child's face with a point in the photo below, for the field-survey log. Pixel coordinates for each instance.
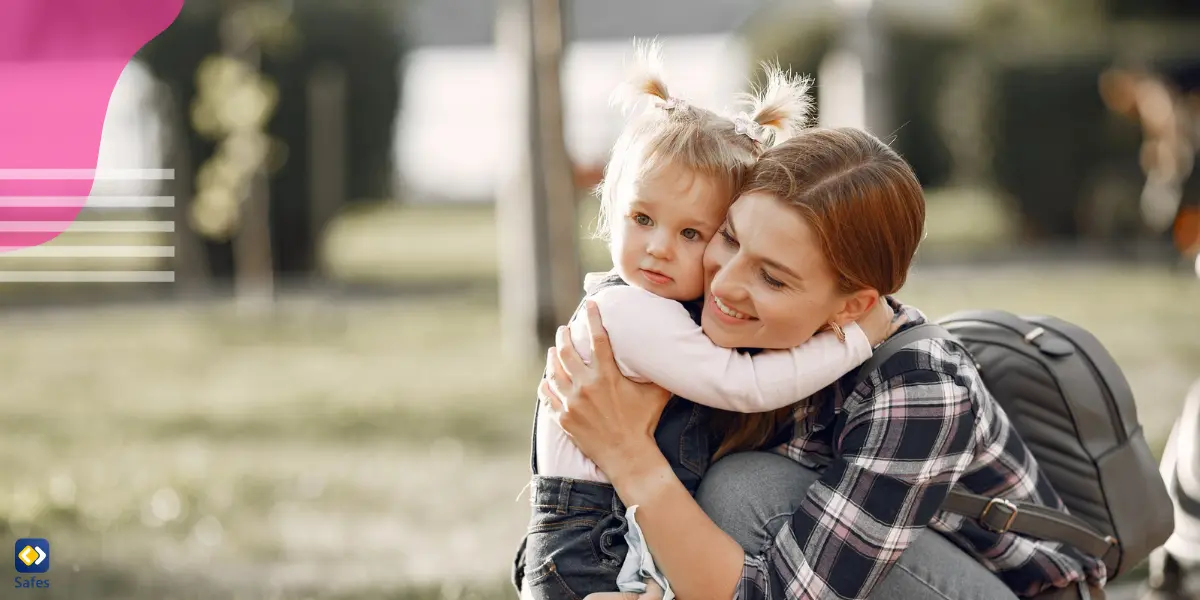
(661, 225)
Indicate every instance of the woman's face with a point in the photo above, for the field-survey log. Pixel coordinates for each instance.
(769, 285)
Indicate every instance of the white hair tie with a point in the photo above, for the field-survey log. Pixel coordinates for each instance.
(672, 103)
(750, 128)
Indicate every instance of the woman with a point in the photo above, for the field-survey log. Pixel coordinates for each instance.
(825, 227)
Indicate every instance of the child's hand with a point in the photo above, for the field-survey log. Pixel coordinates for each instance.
(879, 323)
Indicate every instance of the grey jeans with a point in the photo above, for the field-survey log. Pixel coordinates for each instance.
(752, 495)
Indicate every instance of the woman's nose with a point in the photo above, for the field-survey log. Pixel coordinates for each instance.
(725, 282)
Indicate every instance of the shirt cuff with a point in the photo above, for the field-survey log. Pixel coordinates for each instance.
(857, 339)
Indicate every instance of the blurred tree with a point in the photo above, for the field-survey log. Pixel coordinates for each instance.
(1004, 16)
(1140, 9)
(1005, 94)
(916, 61)
(1070, 163)
(360, 39)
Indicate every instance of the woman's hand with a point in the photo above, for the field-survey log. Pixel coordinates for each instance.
(610, 418)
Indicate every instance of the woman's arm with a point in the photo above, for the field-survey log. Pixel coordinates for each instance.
(894, 469)
(612, 420)
(655, 339)
(698, 559)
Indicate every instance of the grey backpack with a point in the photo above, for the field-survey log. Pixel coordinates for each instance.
(1072, 406)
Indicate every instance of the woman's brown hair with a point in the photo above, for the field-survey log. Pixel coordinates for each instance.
(867, 210)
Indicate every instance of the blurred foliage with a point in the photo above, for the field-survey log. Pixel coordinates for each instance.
(1178, 9)
(918, 65)
(362, 38)
(1023, 15)
(1009, 99)
(233, 105)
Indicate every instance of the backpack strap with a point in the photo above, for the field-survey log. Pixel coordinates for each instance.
(896, 343)
(997, 514)
(1034, 520)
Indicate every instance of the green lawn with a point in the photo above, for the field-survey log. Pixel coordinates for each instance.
(437, 243)
(337, 447)
(370, 448)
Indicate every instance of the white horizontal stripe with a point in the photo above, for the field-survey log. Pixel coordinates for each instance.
(99, 174)
(87, 202)
(7, 252)
(87, 276)
(86, 226)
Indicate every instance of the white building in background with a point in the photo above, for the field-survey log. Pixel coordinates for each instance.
(130, 138)
(458, 131)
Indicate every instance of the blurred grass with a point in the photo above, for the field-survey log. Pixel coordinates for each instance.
(317, 448)
(366, 449)
(430, 244)
(437, 243)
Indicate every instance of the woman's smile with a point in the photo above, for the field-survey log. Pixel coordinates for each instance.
(728, 314)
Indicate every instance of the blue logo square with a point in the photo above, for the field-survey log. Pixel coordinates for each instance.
(32, 555)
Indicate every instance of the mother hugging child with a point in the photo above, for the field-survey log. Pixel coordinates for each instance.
(753, 260)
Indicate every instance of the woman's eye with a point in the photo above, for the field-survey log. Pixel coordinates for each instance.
(691, 234)
(771, 281)
(725, 235)
(643, 220)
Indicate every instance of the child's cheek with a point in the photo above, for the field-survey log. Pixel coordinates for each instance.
(695, 281)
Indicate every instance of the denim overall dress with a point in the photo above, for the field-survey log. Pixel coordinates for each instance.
(575, 542)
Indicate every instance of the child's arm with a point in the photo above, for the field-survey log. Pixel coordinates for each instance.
(655, 339)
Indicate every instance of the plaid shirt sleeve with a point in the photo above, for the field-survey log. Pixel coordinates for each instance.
(901, 449)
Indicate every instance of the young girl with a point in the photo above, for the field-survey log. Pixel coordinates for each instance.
(668, 184)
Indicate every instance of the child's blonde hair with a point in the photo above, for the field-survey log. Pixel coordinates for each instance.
(673, 131)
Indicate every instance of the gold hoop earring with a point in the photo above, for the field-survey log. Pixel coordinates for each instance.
(838, 331)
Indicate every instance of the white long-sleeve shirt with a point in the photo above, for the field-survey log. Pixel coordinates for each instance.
(655, 339)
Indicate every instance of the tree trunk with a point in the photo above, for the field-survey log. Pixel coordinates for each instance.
(327, 150)
(190, 264)
(254, 273)
(536, 203)
(561, 199)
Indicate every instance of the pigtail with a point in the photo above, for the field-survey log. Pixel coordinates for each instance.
(644, 79)
(781, 108)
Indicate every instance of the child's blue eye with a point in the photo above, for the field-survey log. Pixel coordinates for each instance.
(691, 234)
(643, 220)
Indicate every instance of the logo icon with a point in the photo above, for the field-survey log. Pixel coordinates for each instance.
(32, 555)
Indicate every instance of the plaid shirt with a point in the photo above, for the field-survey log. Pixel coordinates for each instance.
(888, 452)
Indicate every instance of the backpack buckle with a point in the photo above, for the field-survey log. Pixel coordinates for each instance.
(1012, 515)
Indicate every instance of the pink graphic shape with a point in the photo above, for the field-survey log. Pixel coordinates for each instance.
(59, 63)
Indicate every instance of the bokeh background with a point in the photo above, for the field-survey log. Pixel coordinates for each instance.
(378, 205)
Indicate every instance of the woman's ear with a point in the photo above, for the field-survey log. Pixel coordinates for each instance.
(856, 305)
